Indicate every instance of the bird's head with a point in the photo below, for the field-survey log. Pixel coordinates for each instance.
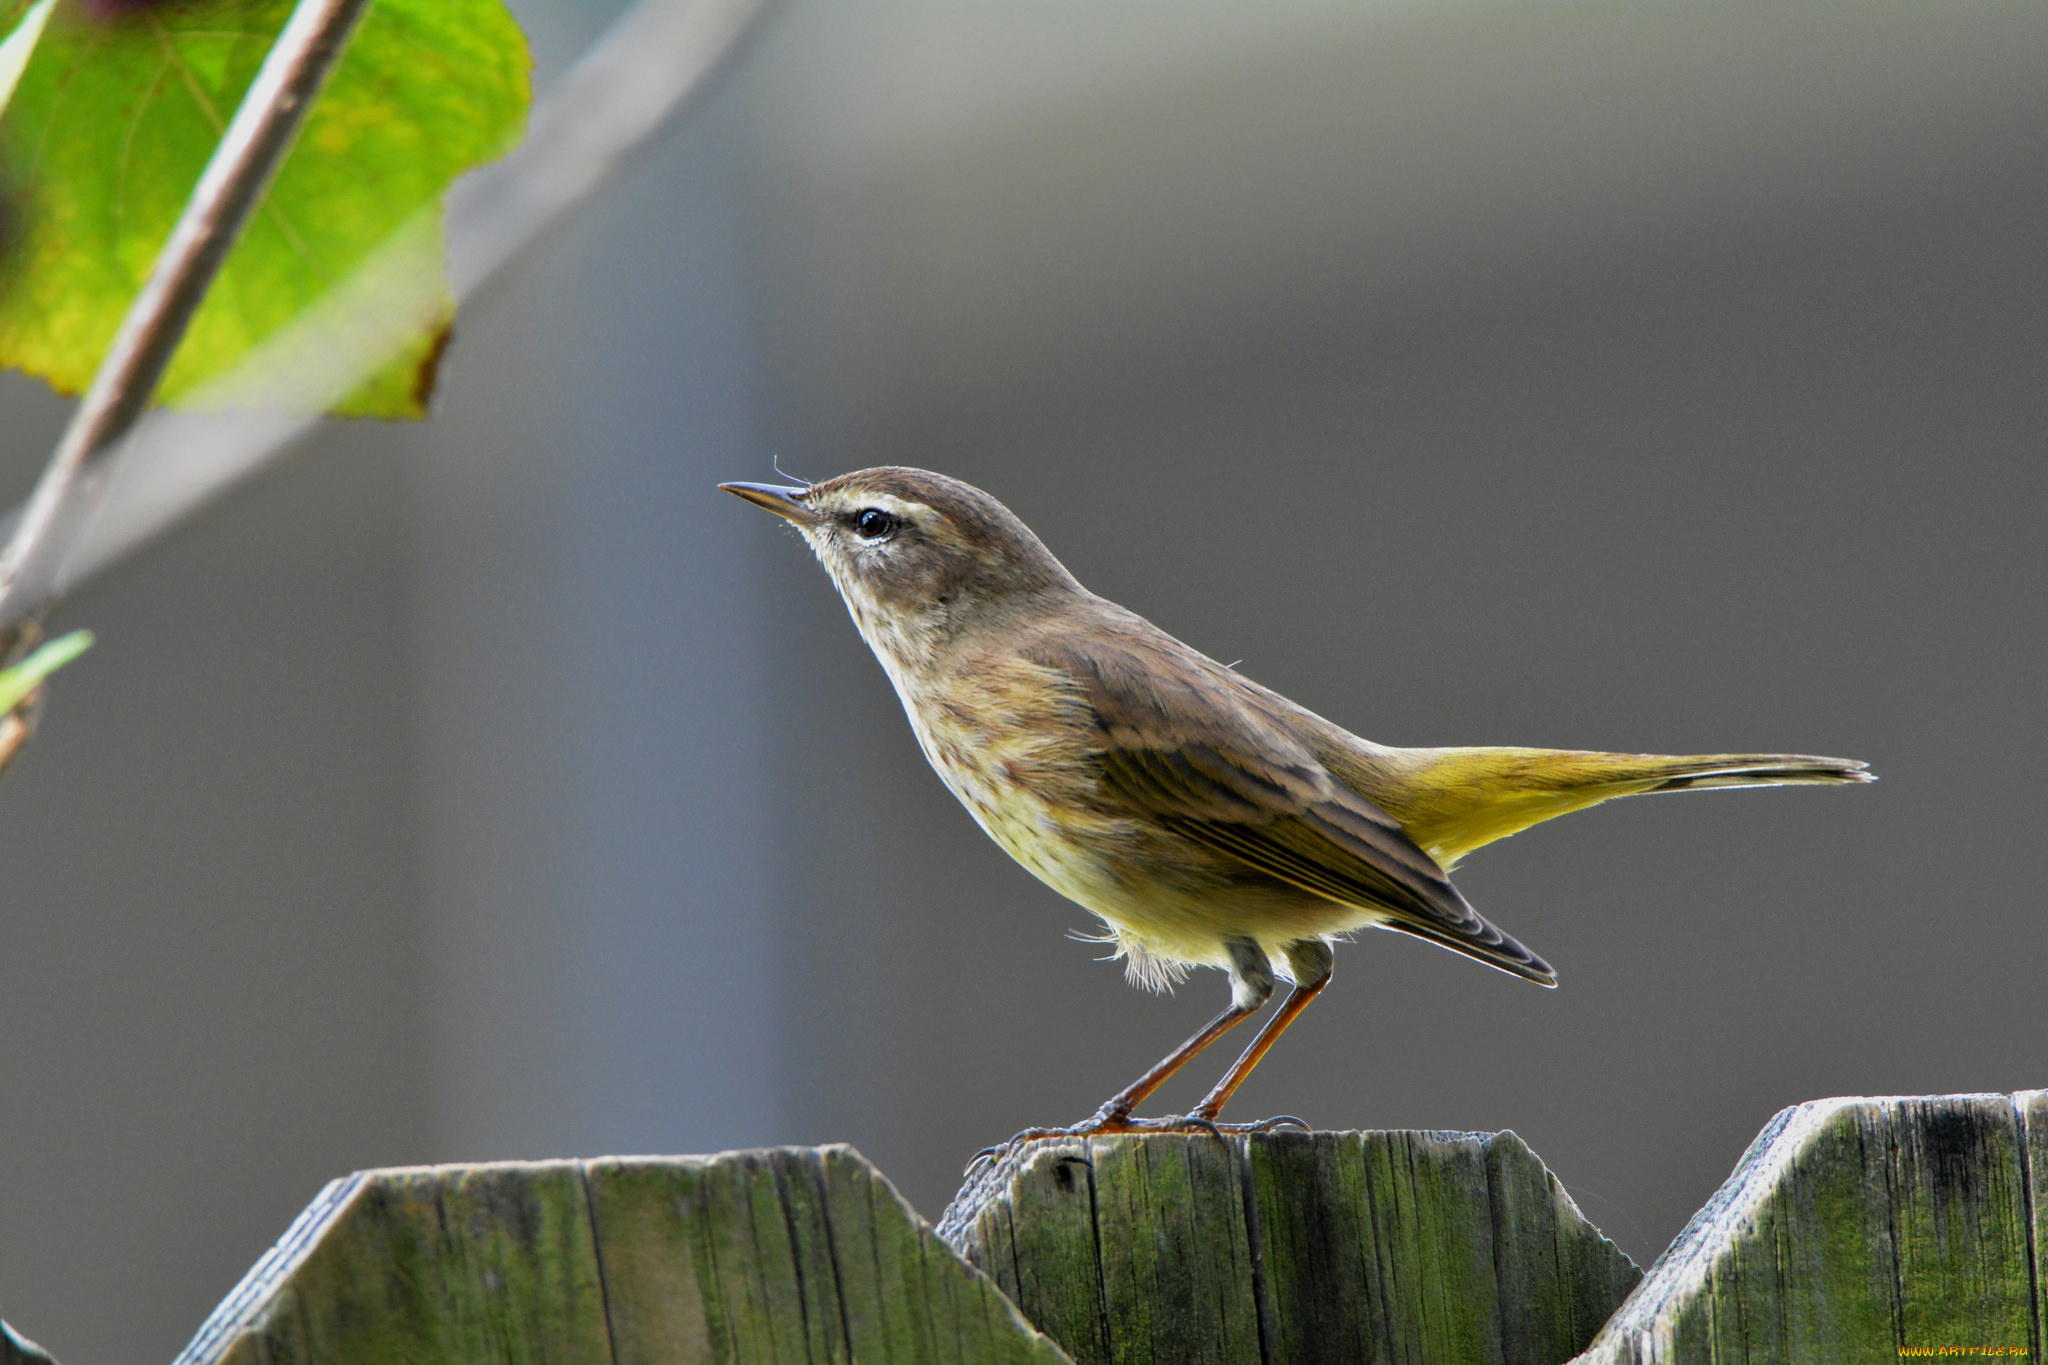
(918, 557)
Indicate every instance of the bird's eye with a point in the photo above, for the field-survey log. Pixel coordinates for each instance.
(874, 523)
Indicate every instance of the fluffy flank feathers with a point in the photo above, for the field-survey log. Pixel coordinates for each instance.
(1143, 968)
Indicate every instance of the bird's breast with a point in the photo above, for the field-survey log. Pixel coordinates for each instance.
(1011, 742)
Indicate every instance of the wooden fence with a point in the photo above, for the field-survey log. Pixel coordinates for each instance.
(1852, 1230)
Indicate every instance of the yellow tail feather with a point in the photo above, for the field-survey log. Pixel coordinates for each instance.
(1452, 801)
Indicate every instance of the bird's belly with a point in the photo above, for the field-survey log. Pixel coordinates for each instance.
(1162, 896)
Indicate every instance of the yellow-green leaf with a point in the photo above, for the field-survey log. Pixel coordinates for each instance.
(120, 107)
(17, 682)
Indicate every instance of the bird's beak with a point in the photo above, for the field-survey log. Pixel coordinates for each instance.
(783, 502)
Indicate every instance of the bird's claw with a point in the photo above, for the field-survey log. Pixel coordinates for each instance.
(1203, 1123)
(1089, 1127)
(1181, 1123)
(1271, 1125)
(1100, 1124)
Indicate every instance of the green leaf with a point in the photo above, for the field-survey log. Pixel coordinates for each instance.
(17, 682)
(115, 117)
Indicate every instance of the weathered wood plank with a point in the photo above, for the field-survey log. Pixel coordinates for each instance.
(1549, 1304)
(1153, 1202)
(789, 1255)
(428, 1263)
(1857, 1230)
(1292, 1247)
(2033, 1111)
(19, 1350)
(1851, 1230)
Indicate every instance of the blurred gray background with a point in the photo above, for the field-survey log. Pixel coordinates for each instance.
(1649, 377)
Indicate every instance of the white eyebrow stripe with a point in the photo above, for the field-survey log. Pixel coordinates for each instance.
(890, 503)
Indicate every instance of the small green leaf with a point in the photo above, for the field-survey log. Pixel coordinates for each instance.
(116, 114)
(17, 682)
(15, 50)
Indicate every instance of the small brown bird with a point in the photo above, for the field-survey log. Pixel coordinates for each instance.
(1206, 820)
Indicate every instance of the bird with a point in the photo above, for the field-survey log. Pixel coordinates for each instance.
(1205, 820)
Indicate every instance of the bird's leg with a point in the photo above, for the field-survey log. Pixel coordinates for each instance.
(1251, 985)
(1310, 960)
(1115, 1114)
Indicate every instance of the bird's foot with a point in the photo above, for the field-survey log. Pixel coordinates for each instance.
(1104, 1122)
(1199, 1122)
(1276, 1124)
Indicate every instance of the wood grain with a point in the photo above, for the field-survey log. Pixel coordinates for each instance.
(785, 1255)
(1859, 1230)
(1851, 1230)
(1292, 1247)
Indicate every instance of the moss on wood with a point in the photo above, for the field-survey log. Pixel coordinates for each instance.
(1858, 1230)
(1852, 1230)
(1293, 1247)
(787, 1255)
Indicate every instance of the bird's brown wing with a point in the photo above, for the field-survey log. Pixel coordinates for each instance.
(1190, 745)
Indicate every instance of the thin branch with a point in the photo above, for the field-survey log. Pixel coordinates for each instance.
(654, 58)
(228, 191)
(649, 64)
(16, 727)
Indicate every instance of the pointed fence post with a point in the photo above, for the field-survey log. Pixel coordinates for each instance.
(1852, 1230)
(1292, 1247)
(1860, 1230)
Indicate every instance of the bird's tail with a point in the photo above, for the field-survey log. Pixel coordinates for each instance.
(1494, 948)
(1452, 801)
